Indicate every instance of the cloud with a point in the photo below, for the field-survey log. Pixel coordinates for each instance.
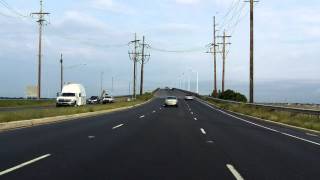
(187, 1)
(113, 6)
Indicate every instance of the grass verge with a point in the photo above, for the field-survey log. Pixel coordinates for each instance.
(26, 103)
(295, 119)
(43, 113)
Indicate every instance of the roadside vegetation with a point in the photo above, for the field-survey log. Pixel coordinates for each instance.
(232, 96)
(295, 119)
(26, 103)
(43, 113)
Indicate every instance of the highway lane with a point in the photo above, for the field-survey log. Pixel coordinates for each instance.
(193, 141)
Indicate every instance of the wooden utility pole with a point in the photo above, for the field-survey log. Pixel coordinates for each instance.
(134, 56)
(224, 43)
(215, 92)
(41, 21)
(144, 59)
(213, 51)
(61, 73)
(251, 88)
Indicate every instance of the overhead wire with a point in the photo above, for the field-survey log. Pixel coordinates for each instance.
(14, 11)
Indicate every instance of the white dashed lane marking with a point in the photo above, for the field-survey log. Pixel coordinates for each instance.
(234, 172)
(203, 131)
(115, 127)
(142, 116)
(24, 164)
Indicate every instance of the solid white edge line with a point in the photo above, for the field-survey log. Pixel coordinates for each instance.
(235, 173)
(264, 127)
(311, 134)
(203, 131)
(115, 127)
(24, 164)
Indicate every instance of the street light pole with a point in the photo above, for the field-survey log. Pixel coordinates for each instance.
(61, 73)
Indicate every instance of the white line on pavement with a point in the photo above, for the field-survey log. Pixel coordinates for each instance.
(264, 127)
(24, 164)
(153, 111)
(191, 112)
(203, 131)
(235, 173)
(117, 126)
(91, 137)
(314, 135)
(195, 119)
(142, 116)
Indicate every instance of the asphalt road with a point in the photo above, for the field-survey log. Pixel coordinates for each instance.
(193, 141)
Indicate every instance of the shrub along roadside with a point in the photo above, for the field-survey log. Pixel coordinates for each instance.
(294, 119)
(42, 113)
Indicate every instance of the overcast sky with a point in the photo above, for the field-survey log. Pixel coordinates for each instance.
(96, 33)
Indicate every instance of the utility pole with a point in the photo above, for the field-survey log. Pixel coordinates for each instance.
(144, 59)
(224, 43)
(41, 21)
(101, 83)
(251, 88)
(134, 56)
(112, 84)
(61, 71)
(213, 51)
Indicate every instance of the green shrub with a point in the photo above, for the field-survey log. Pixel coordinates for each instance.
(232, 95)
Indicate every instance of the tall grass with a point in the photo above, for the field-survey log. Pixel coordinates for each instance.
(296, 119)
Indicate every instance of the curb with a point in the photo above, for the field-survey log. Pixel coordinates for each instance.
(266, 120)
(49, 120)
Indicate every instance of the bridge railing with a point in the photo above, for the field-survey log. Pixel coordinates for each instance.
(257, 105)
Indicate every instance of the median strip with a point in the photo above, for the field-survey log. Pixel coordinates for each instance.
(24, 164)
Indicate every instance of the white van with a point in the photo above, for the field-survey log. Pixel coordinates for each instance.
(72, 95)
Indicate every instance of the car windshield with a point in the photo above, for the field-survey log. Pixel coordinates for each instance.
(94, 97)
(171, 97)
(68, 94)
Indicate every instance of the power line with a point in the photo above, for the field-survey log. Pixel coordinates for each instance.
(14, 11)
(199, 49)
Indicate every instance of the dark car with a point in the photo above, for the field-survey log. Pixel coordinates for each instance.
(93, 100)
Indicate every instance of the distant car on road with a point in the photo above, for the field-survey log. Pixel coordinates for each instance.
(107, 99)
(93, 100)
(188, 97)
(171, 101)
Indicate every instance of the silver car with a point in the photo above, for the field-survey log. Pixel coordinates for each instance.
(171, 101)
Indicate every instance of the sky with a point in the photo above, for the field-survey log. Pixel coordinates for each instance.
(93, 36)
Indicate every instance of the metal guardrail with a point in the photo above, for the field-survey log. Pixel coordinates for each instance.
(257, 105)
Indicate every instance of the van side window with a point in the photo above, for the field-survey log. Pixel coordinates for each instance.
(79, 94)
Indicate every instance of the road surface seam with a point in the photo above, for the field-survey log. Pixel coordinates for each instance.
(234, 172)
(24, 164)
(264, 127)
